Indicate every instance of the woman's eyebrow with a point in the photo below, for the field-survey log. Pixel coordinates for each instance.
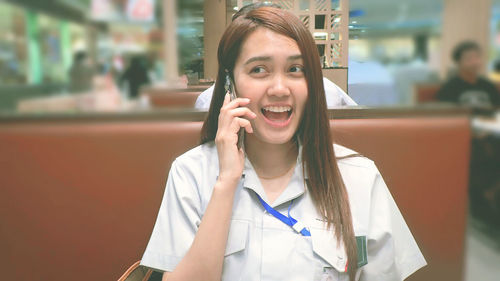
(259, 58)
(268, 58)
(295, 57)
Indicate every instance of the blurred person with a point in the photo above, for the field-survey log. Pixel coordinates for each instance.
(117, 65)
(335, 96)
(287, 204)
(157, 69)
(81, 73)
(135, 75)
(468, 87)
(484, 180)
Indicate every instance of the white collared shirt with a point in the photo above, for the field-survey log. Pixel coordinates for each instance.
(261, 247)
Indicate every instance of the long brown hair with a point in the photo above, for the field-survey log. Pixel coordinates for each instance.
(324, 183)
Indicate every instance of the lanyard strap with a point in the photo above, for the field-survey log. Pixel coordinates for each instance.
(293, 223)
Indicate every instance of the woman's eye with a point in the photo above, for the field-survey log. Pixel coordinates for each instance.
(258, 69)
(296, 68)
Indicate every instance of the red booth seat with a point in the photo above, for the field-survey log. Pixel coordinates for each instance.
(166, 97)
(79, 199)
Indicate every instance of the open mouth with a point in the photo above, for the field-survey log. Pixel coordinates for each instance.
(277, 115)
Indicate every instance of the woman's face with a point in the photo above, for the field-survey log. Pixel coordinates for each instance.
(269, 71)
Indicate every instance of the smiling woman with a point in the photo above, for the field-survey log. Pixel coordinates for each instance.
(222, 215)
(270, 72)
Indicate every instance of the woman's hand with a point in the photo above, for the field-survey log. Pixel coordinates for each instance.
(231, 159)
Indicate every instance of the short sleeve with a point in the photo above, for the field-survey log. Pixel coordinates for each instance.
(393, 254)
(177, 221)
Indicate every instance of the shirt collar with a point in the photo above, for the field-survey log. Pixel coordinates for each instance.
(295, 188)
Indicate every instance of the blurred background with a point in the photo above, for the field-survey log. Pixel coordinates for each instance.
(399, 50)
(134, 59)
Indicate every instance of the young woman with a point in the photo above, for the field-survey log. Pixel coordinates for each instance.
(282, 207)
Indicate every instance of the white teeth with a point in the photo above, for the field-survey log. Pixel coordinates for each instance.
(278, 108)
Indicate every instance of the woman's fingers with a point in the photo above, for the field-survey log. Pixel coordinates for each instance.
(234, 115)
(238, 113)
(227, 99)
(230, 110)
(238, 102)
(243, 111)
(243, 123)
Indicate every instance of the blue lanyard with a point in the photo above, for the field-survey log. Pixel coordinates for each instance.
(293, 223)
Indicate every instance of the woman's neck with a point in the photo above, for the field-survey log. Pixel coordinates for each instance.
(270, 160)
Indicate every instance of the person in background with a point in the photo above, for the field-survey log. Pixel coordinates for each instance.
(81, 73)
(468, 87)
(136, 75)
(335, 96)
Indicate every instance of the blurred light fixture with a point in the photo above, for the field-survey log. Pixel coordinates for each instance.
(235, 8)
(356, 13)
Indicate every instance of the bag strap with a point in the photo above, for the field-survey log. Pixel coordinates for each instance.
(136, 272)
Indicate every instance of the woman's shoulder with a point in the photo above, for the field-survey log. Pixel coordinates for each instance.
(197, 157)
(351, 158)
(359, 173)
(197, 168)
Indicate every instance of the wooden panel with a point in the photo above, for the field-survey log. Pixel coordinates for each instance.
(213, 28)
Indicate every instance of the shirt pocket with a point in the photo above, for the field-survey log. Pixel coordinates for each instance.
(237, 237)
(235, 256)
(331, 256)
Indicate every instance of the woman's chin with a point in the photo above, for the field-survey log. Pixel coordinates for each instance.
(274, 137)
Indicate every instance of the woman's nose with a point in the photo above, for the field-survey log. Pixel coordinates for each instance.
(279, 86)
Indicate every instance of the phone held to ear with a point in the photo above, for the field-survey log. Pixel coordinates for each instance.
(232, 93)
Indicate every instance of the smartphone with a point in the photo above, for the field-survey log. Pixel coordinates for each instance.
(232, 93)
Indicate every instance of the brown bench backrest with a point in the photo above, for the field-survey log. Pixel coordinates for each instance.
(426, 92)
(173, 99)
(424, 162)
(79, 200)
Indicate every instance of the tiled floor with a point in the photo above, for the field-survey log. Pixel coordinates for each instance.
(482, 256)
